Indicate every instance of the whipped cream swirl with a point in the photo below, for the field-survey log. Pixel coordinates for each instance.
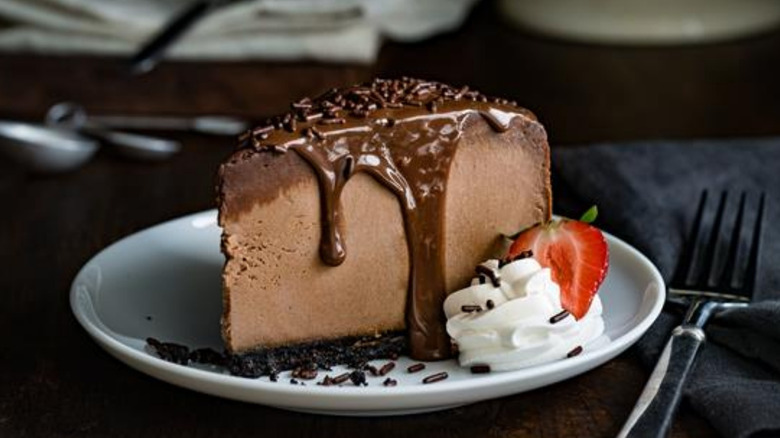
(514, 328)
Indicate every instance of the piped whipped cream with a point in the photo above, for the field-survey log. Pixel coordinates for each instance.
(514, 326)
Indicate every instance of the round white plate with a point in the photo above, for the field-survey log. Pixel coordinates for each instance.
(164, 282)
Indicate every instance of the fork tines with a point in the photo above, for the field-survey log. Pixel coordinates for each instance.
(699, 260)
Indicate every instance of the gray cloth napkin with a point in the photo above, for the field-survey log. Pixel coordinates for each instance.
(647, 194)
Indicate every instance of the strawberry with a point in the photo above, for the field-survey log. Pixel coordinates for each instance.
(575, 251)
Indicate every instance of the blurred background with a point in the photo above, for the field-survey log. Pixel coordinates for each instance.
(592, 70)
(131, 147)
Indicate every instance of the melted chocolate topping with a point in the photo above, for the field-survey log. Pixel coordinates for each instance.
(404, 133)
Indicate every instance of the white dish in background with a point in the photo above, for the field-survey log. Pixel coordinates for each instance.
(164, 282)
(642, 22)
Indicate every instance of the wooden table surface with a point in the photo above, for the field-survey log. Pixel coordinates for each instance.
(55, 381)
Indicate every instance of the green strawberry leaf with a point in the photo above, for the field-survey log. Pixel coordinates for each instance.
(590, 215)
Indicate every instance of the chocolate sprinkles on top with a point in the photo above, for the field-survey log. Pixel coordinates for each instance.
(361, 101)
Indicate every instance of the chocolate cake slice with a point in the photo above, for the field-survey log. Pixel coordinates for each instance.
(358, 211)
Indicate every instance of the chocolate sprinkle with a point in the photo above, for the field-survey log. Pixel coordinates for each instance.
(305, 373)
(386, 368)
(438, 377)
(490, 304)
(490, 273)
(302, 104)
(480, 369)
(332, 121)
(577, 350)
(316, 132)
(390, 382)
(558, 317)
(262, 130)
(415, 368)
(470, 308)
(341, 378)
(327, 381)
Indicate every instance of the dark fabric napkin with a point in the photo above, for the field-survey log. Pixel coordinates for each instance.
(647, 194)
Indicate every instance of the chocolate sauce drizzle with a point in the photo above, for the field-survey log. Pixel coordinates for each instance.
(404, 133)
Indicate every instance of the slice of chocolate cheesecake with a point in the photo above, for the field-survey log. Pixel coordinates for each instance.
(358, 211)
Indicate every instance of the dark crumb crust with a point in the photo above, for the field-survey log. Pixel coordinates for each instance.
(355, 352)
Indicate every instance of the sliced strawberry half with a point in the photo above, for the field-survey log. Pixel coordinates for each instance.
(575, 251)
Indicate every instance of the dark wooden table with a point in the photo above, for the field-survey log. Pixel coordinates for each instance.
(54, 381)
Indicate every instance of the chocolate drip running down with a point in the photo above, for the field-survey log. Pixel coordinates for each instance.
(407, 145)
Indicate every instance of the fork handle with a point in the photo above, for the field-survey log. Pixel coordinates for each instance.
(653, 414)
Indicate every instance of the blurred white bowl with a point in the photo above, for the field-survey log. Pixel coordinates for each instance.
(644, 21)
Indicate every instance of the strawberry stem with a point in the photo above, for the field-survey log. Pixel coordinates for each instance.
(590, 215)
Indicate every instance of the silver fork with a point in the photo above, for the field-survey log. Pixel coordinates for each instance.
(653, 414)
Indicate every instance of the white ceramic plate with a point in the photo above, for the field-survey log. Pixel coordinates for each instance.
(164, 282)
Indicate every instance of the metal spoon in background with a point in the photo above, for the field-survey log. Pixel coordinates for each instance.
(44, 149)
(209, 124)
(136, 146)
(71, 138)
